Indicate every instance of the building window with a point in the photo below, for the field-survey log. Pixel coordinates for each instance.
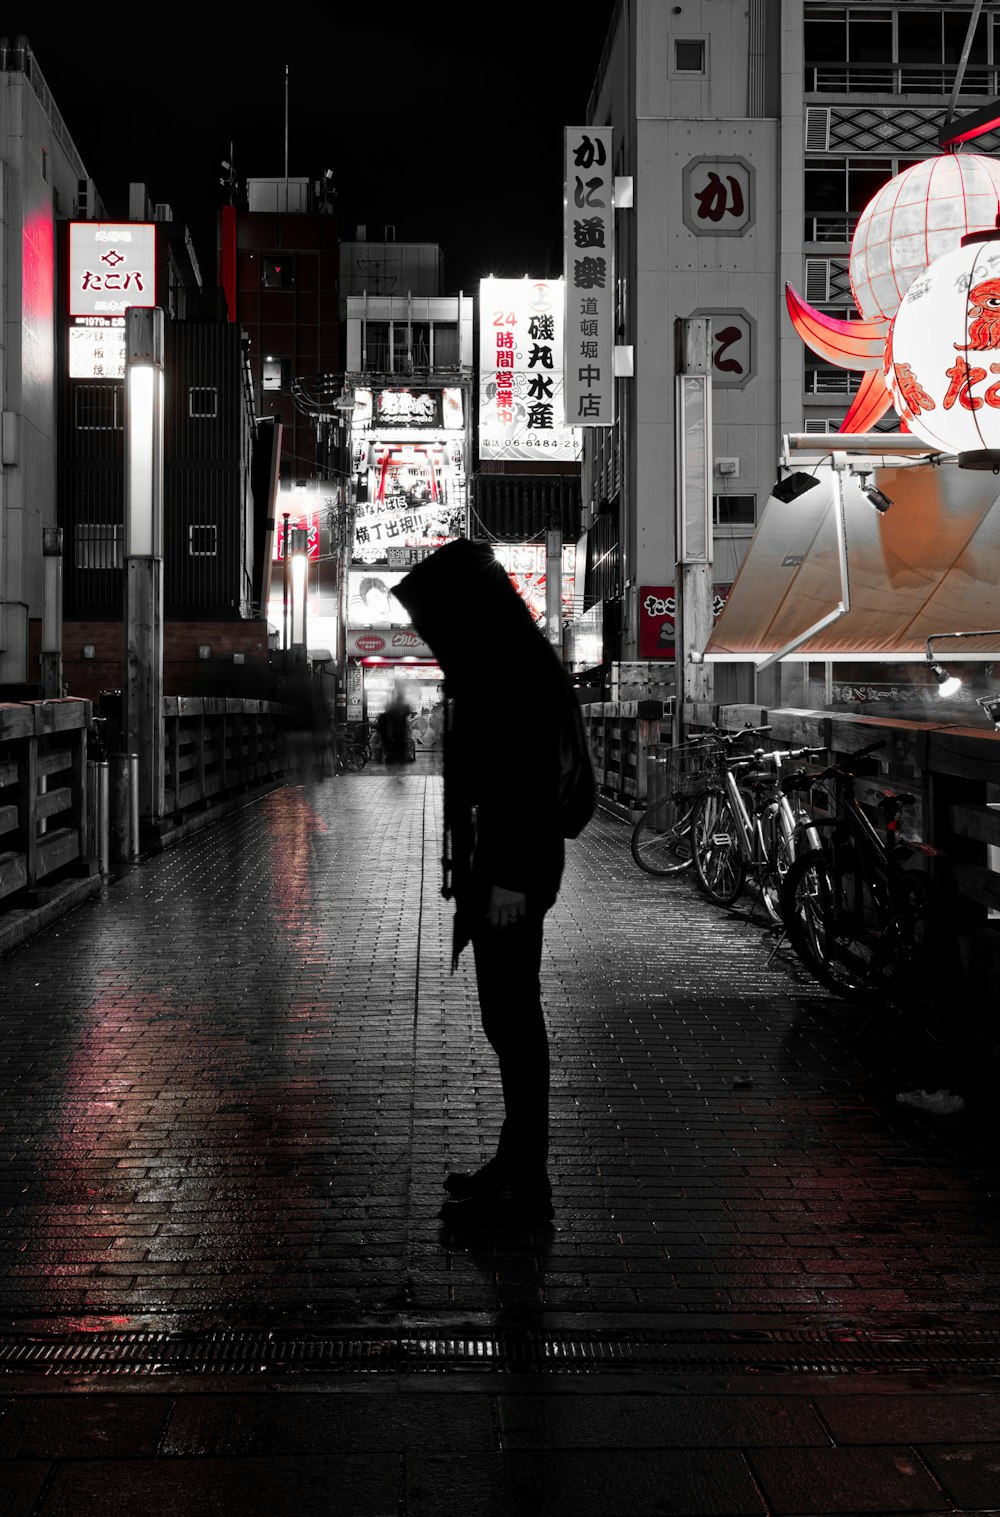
(203, 401)
(376, 346)
(203, 540)
(444, 338)
(689, 57)
(45, 165)
(276, 373)
(278, 271)
(97, 408)
(734, 510)
(837, 191)
(98, 545)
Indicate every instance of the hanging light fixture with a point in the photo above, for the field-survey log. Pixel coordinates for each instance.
(950, 684)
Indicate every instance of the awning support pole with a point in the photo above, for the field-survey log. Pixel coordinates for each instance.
(840, 466)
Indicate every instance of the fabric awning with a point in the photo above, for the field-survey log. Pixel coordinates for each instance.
(928, 565)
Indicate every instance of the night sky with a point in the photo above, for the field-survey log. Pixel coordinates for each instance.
(442, 120)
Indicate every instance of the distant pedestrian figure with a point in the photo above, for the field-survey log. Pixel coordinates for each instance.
(504, 850)
(394, 730)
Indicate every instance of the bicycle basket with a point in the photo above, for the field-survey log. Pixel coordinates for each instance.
(690, 768)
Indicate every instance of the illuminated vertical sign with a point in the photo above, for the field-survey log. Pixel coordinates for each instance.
(112, 265)
(588, 251)
(521, 406)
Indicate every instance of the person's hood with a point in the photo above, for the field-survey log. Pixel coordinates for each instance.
(460, 600)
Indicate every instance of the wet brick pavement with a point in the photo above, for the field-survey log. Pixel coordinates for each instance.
(231, 1088)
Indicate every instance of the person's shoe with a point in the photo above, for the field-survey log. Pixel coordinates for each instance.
(943, 1103)
(504, 1206)
(462, 1183)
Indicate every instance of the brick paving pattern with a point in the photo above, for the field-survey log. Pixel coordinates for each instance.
(231, 1088)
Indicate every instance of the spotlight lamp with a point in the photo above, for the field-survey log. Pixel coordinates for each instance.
(874, 496)
(991, 705)
(949, 684)
(793, 485)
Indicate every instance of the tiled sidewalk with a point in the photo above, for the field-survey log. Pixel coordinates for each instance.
(230, 1091)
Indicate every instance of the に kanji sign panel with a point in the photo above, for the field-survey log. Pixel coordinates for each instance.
(588, 256)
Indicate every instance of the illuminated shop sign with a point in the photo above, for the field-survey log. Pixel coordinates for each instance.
(521, 409)
(398, 408)
(408, 495)
(370, 599)
(97, 347)
(588, 254)
(527, 567)
(112, 265)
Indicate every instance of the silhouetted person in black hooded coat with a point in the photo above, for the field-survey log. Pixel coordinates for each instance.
(504, 849)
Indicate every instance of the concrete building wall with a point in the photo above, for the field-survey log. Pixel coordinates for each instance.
(39, 175)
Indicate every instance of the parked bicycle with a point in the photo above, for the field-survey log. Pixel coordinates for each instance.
(747, 827)
(661, 838)
(353, 747)
(865, 925)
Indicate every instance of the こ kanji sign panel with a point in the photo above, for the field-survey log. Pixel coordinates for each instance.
(112, 265)
(521, 404)
(733, 341)
(718, 197)
(588, 255)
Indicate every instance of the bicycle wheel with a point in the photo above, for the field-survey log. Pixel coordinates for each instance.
(349, 755)
(718, 862)
(838, 923)
(661, 838)
(778, 828)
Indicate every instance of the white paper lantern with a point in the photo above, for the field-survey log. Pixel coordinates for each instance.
(943, 354)
(920, 215)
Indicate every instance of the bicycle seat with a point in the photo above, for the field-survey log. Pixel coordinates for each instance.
(889, 800)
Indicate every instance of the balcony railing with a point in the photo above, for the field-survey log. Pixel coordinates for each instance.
(830, 381)
(836, 228)
(897, 79)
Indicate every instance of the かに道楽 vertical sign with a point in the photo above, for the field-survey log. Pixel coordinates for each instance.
(588, 252)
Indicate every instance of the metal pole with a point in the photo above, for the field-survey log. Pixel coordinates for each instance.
(962, 64)
(143, 683)
(52, 629)
(285, 624)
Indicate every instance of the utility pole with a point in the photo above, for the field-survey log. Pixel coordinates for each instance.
(693, 448)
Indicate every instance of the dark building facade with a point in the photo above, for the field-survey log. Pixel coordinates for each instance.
(279, 264)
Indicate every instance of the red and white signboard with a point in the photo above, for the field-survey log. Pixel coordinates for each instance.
(386, 642)
(305, 521)
(112, 265)
(657, 618)
(521, 407)
(526, 564)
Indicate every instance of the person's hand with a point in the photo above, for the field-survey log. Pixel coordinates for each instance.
(506, 906)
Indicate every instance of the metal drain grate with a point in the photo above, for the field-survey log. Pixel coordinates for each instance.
(289, 1353)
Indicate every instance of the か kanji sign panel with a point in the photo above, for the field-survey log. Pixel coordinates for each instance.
(112, 265)
(588, 255)
(718, 197)
(521, 409)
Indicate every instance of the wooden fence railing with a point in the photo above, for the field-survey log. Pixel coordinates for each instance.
(43, 773)
(215, 746)
(621, 734)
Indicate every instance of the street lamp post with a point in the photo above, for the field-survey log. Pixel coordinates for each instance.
(143, 651)
(298, 550)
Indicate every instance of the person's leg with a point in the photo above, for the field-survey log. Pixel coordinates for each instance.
(508, 961)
